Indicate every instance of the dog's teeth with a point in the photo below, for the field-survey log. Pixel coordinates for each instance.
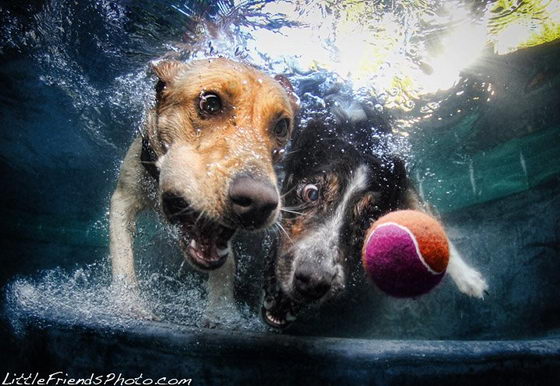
(223, 252)
(271, 318)
(193, 244)
(274, 320)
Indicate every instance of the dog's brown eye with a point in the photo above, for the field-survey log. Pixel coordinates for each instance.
(210, 103)
(310, 193)
(282, 128)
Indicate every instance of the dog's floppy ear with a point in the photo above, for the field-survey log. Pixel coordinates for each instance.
(294, 99)
(167, 70)
(392, 179)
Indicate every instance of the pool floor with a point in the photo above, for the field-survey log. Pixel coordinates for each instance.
(221, 357)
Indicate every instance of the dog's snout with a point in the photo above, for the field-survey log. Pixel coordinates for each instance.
(310, 283)
(253, 201)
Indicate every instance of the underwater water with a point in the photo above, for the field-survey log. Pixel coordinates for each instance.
(480, 133)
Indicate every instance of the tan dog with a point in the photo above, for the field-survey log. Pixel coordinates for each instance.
(205, 161)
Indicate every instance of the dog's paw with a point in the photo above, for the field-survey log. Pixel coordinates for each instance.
(129, 304)
(471, 283)
(226, 316)
(212, 323)
(139, 310)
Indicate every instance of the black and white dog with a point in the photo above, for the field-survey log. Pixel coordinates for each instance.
(335, 185)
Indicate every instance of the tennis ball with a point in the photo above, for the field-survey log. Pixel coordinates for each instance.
(405, 253)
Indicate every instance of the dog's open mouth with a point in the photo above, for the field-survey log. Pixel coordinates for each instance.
(205, 243)
(277, 310)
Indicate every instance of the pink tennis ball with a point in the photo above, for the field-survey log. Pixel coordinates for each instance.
(405, 253)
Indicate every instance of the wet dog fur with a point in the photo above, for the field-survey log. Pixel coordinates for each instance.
(334, 188)
(205, 161)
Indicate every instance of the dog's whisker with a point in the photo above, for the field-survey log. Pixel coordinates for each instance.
(291, 152)
(201, 215)
(298, 207)
(283, 230)
(288, 192)
(181, 268)
(291, 211)
(275, 228)
(181, 212)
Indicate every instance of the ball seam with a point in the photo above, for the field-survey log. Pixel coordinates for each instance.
(414, 241)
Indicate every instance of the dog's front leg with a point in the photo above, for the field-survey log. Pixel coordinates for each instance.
(122, 222)
(127, 201)
(468, 280)
(221, 302)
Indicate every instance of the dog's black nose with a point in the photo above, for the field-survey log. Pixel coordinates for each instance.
(310, 284)
(252, 201)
